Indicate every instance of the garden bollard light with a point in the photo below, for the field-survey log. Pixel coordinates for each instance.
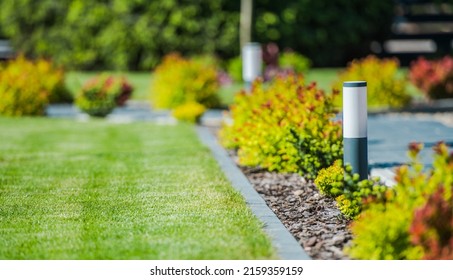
(355, 127)
(251, 63)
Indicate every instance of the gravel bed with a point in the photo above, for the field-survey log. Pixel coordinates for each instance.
(313, 219)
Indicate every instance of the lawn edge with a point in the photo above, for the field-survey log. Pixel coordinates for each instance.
(283, 241)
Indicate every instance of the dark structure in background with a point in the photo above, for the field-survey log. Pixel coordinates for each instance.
(420, 28)
(330, 32)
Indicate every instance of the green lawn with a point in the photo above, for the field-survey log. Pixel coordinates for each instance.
(98, 190)
(324, 77)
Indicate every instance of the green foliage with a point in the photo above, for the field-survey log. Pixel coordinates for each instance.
(119, 34)
(189, 112)
(351, 194)
(101, 94)
(134, 34)
(358, 194)
(178, 80)
(328, 32)
(294, 61)
(27, 87)
(330, 180)
(382, 231)
(234, 68)
(432, 227)
(433, 78)
(286, 126)
(384, 87)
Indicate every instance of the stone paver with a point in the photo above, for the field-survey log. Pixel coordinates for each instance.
(389, 136)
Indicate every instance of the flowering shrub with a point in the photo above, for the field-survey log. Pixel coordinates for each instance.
(383, 230)
(125, 91)
(27, 87)
(189, 112)
(434, 78)
(384, 87)
(100, 95)
(178, 80)
(286, 126)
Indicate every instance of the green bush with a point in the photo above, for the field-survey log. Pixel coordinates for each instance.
(101, 94)
(178, 80)
(119, 34)
(434, 78)
(382, 231)
(329, 181)
(294, 61)
(27, 87)
(384, 87)
(351, 194)
(234, 68)
(286, 126)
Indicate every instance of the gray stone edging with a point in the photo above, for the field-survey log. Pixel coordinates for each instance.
(286, 245)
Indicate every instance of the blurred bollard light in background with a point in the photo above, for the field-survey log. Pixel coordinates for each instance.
(252, 62)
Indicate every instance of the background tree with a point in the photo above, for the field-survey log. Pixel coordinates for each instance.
(135, 34)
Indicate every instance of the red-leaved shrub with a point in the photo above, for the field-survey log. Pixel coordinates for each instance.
(432, 227)
(433, 77)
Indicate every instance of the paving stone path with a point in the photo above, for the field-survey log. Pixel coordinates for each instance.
(389, 136)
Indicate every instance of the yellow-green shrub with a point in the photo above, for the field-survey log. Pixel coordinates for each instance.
(382, 231)
(351, 194)
(27, 87)
(189, 112)
(385, 88)
(178, 80)
(286, 126)
(329, 181)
